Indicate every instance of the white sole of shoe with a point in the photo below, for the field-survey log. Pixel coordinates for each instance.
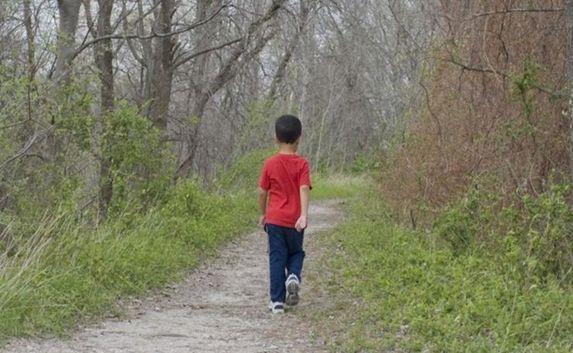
(275, 311)
(292, 297)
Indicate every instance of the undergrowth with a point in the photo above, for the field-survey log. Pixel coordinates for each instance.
(67, 272)
(63, 270)
(399, 290)
(337, 186)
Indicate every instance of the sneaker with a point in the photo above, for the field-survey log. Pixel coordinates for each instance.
(277, 307)
(292, 287)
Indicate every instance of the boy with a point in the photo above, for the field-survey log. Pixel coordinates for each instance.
(283, 199)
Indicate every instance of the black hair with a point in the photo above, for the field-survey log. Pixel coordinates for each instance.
(288, 129)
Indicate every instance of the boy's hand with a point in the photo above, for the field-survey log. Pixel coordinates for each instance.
(262, 221)
(301, 224)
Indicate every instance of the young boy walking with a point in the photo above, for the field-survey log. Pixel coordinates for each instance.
(283, 199)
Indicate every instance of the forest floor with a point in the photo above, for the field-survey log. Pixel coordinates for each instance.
(220, 307)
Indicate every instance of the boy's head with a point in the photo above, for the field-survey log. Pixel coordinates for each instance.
(288, 129)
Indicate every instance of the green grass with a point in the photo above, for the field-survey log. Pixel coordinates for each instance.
(399, 290)
(393, 288)
(338, 186)
(67, 273)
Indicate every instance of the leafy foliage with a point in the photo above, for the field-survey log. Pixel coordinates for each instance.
(244, 173)
(141, 167)
(67, 271)
(536, 232)
(402, 290)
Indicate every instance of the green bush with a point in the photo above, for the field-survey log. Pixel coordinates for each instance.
(533, 233)
(461, 224)
(141, 167)
(364, 163)
(542, 227)
(47, 175)
(245, 172)
(396, 289)
(67, 271)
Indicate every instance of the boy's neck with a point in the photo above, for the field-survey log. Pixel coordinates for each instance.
(288, 148)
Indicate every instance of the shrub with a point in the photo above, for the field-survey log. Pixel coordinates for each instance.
(485, 112)
(244, 173)
(533, 233)
(68, 271)
(395, 289)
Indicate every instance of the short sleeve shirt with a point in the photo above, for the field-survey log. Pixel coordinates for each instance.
(282, 176)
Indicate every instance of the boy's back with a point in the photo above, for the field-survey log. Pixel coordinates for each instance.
(283, 200)
(282, 176)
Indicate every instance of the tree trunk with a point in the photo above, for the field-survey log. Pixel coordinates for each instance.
(31, 40)
(161, 70)
(198, 111)
(204, 35)
(31, 61)
(104, 63)
(569, 27)
(69, 11)
(69, 14)
(289, 51)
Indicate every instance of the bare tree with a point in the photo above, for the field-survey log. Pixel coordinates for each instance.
(161, 67)
(31, 39)
(31, 63)
(303, 18)
(69, 11)
(569, 27)
(104, 63)
(245, 50)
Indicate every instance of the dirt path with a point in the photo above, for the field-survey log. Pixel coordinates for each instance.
(221, 307)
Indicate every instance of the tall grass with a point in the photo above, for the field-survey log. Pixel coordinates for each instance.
(401, 290)
(338, 186)
(68, 272)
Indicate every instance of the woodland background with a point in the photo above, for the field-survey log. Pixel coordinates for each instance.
(119, 112)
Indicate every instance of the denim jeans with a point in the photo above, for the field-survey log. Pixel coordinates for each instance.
(286, 256)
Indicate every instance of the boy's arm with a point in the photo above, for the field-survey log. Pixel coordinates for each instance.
(263, 195)
(302, 222)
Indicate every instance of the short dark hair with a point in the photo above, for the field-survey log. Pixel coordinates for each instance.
(288, 129)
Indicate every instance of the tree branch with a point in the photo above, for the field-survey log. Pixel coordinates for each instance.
(152, 35)
(27, 147)
(556, 94)
(510, 11)
(205, 51)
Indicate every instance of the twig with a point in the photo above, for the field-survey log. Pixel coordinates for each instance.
(556, 94)
(205, 51)
(26, 147)
(510, 11)
(152, 35)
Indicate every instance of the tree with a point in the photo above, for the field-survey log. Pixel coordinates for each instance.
(104, 63)
(305, 9)
(69, 11)
(246, 50)
(160, 66)
(569, 46)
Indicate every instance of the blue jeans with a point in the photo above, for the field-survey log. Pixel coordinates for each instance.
(285, 258)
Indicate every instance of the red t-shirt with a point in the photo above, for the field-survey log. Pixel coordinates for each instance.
(282, 177)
